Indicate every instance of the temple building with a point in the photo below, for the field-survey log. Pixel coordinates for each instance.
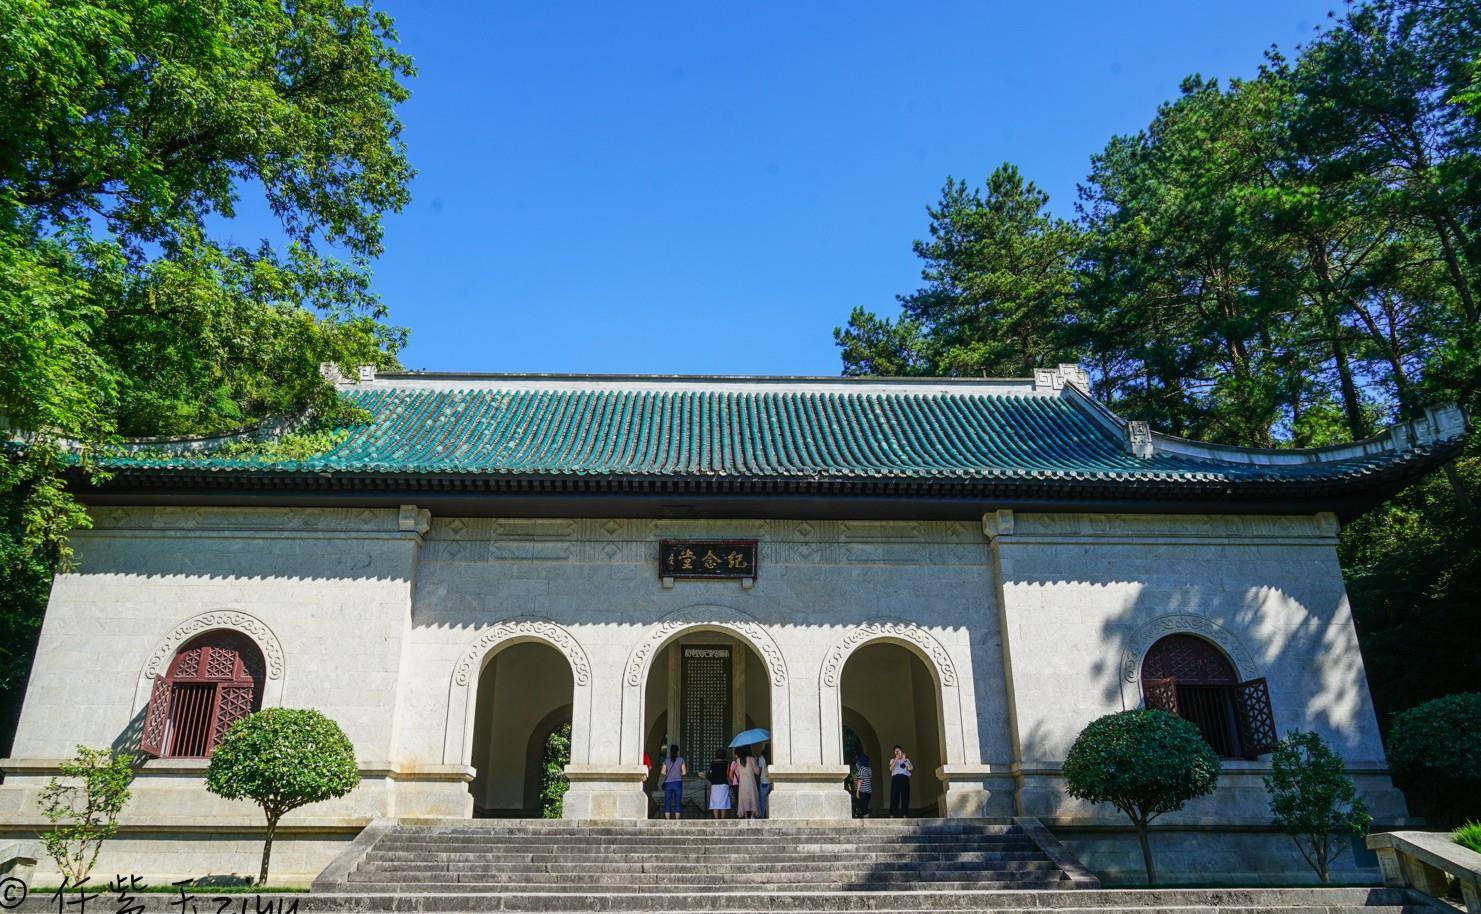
(970, 569)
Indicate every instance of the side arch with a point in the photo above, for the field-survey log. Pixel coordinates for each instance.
(245, 624)
(1154, 630)
(696, 619)
(457, 744)
(959, 746)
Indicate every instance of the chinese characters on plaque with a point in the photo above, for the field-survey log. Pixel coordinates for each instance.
(714, 559)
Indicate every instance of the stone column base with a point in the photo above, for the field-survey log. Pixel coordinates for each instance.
(809, 792)
(605, 792)
(974, 792)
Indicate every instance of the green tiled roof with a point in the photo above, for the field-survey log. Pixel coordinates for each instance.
(722, 434)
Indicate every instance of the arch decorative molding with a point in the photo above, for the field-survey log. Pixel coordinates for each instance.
(715, 617)
(888, 630)
(231, 620)
(524, 628)
(1149, 633)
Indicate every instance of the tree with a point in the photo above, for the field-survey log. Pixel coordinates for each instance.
(1144, 763)
(1435, 753)
(554, 758)
(1313, 799)
(129, 132)
(998, 288)
(83, 810)
(282, 759)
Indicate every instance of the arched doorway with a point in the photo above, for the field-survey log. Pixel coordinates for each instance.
(890, 697)
(525, 692)
(704, 686)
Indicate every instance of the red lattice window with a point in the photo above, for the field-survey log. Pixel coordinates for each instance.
(213, 682)
(1188, 676)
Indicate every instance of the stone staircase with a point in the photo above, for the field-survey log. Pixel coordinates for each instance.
(877, 866)
(698, 857)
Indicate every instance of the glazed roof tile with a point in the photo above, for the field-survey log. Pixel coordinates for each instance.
(771, 429)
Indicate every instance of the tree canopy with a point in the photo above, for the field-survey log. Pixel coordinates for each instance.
(132, 130)
(1292, 259)
(282, 759)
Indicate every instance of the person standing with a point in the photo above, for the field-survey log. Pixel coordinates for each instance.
(719, 778)
(672, 778)
(765, 778)
(733, 779)
(747, 804)
(901, 768)
(863, 786)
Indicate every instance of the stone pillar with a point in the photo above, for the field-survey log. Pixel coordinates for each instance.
(605, 792)
(967, 791)
(1428, 879)
(809, 792)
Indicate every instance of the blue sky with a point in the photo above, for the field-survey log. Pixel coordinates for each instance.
(708, 188)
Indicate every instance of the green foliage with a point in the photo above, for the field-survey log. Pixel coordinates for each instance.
(998, 278)
(1144, 763)
(553, 781)
(1469, 836)
(129, 129)
(281, 759)
(1313, 800)
(1435, 753)
(1413, 568)
(1288, 260)
(313, 440)
(83, 808)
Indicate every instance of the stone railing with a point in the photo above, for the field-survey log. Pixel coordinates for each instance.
(1422, 860)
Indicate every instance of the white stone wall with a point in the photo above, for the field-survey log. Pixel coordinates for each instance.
(1084, 596)
(1029, 625)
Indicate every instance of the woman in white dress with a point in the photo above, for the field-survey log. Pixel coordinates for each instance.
(719, 778)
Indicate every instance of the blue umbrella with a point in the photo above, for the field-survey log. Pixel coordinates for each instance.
(751, 737)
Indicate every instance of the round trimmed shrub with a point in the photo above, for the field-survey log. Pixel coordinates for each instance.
(1144, 763)
(1435, 753)
(281, 759)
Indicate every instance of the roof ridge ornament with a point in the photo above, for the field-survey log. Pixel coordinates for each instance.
(1139, 439)
(1066, 373)
(1439, 423)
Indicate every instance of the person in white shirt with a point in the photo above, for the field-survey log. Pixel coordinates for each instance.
(900, 770)
(672, 778)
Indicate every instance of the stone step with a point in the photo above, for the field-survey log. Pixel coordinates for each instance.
(734, 829)
(1015, 901)
(735, 833)
(814, 845)
(684, 887)
(736, 880)
(841, 847)
(636, 825)
(464, 872)
(753, 860)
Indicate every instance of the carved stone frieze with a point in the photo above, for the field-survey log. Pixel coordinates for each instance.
(226, 619)
(888, 629)
(528, 628)
(711, 617)
(1152, 631)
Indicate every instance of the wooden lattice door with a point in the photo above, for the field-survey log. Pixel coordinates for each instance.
(1187, 676)
(213, 682)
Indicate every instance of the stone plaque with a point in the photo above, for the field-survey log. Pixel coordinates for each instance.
(713, 559)
(705, 704)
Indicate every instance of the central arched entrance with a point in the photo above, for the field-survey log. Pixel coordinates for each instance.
(890, 697)
(704, 685)
(524, 697)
